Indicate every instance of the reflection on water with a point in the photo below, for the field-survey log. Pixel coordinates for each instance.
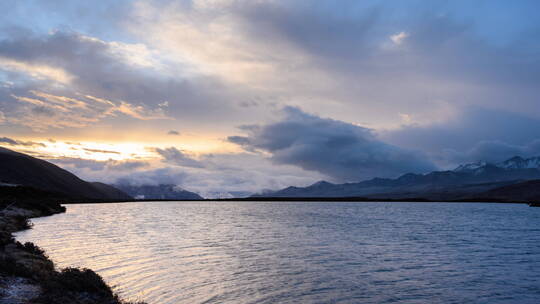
(280, 252)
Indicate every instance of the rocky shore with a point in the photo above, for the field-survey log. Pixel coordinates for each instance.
(27, 275)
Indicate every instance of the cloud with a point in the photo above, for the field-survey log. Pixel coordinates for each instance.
(110, 166)
(169, 176)
(37, 71)
(101, 151)
(126, 165)
(474, 134)
(8, 141)
(320, 56)
(338, 149)
(399, 37)
(55, 111)
(452, 83)
(176, 157)
(66, 74)
(14, 142)
(221, 173)
(173, 132)
(225, 173)
(327, 57)
(492, 151)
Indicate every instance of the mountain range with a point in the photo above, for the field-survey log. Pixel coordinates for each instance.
(515, 179)
(469, 181)
(18, 169)
(158, 192)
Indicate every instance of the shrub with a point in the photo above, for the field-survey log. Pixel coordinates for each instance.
(79, 280)
(31, 248)
(10, 267)
(6, 238)
(22, 222)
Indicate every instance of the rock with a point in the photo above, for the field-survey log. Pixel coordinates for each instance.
(16, 290)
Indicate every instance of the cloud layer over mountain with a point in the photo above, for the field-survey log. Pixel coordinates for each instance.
(341, 150)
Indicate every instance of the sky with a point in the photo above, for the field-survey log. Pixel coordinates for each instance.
(233, 96)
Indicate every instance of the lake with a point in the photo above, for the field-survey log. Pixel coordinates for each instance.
(302, 252)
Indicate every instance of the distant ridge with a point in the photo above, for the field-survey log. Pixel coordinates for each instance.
(469, 180)
(21, 169)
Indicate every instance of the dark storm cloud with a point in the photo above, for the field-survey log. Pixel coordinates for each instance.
(176, 157)
(335, 148)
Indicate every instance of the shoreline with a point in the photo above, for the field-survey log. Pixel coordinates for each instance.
(27, 275)
(307, 199)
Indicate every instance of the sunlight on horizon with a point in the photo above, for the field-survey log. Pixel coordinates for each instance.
(102, 151)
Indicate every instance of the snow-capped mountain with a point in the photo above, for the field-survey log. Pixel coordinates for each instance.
(470, 167)
(515, 162)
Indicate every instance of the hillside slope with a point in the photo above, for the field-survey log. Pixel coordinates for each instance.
(21, 169)
(524, 191)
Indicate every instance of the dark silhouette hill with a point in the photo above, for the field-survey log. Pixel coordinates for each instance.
(21, 169)
(524, 191)
(111, 191)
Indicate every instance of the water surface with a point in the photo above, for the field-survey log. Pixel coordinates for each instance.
(302, 252)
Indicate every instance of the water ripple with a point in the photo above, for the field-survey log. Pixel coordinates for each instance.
(281, 252)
